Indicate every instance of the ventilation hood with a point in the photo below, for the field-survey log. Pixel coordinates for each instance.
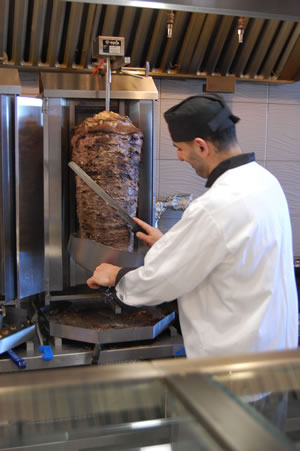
(56, 35)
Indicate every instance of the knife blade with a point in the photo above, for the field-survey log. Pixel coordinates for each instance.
(106, 197)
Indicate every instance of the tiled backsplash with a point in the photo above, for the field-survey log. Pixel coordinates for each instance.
(269, 126)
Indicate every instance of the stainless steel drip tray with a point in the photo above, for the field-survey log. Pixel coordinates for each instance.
(94, 322)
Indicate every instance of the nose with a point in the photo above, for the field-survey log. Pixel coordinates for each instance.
(179, 156)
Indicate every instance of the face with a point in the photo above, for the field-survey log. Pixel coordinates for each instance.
(191, 152)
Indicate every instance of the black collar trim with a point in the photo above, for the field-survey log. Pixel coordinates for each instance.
(230, 163)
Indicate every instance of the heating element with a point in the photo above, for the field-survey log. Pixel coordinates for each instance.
(50, 263)
(68, 100)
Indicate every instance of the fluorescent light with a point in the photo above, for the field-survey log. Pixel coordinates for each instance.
(29, 101)
(163, 447)
(145, 424)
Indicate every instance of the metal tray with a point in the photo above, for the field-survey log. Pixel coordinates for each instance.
(110, 335)
(17, 318)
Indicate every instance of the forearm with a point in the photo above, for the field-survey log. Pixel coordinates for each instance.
(133, 289)
(155, 282)
(175, 265)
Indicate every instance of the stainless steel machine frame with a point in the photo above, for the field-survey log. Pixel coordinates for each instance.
(38, 209)
(21, 191)
(63, 94)
(29, 196)
(68, 99)
(21, 207)
(9, 88)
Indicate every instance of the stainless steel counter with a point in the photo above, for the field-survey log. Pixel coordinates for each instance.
(70, 354)
(169, 404)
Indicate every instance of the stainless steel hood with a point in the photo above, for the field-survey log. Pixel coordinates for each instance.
(85, 86)
(57, 35)
(9, 82)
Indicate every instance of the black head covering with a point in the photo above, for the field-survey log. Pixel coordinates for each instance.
(199, 116)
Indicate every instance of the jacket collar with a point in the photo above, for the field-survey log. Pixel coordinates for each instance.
(230, 163)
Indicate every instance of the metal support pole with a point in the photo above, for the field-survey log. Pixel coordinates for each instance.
(107, 84)
(96, 354)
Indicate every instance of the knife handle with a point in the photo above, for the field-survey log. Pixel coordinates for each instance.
(136, 228)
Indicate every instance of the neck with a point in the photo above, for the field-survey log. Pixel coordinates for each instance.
(219, 156)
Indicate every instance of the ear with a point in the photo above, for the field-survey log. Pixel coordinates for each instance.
(203, 147)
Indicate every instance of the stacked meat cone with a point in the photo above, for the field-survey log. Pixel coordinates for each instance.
(108, 148)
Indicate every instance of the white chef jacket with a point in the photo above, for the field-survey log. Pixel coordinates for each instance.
(229, 262)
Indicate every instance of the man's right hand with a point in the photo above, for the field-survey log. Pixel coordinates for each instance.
(152, 233)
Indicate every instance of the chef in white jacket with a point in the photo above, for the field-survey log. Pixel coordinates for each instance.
(229, 260)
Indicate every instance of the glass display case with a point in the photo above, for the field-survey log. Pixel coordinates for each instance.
(274, 393)
(207, 404)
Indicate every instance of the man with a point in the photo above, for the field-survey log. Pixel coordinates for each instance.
(229, 260)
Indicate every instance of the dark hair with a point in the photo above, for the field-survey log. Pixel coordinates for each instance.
(223, 139)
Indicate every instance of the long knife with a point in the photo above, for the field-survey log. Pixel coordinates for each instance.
(106, 197)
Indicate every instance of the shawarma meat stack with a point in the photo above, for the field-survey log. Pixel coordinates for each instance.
(108, 148)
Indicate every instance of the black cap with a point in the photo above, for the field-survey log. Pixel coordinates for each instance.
(199, 117)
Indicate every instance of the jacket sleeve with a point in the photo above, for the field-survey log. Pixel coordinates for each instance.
(177, 263)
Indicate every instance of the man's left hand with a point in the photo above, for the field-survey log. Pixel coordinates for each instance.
(104, 276)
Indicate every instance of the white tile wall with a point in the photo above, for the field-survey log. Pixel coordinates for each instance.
(166, 148)
(296, 234)
(269, 126)
(284, 93)
(288, 174)
(157, 82)
(283, 134)
(248, 92)
(251, 129)
(178, 177)
(180, 89)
